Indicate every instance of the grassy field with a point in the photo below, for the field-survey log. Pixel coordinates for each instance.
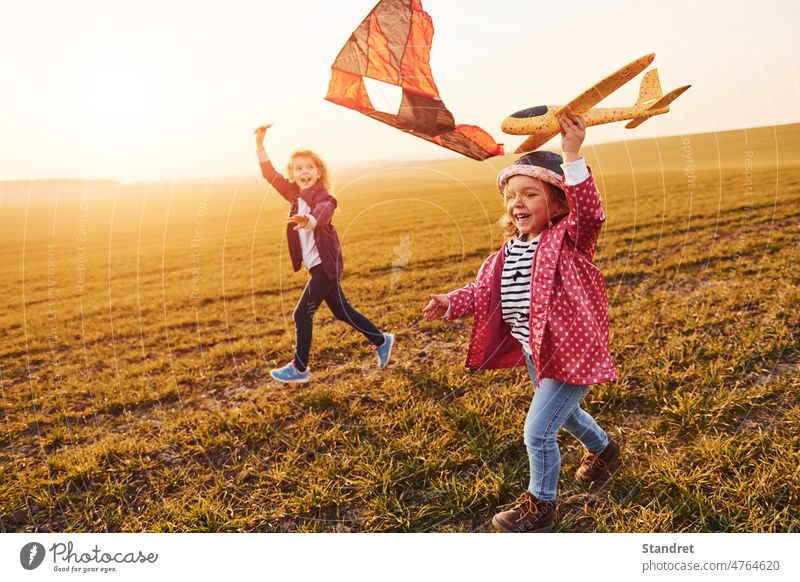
(139, 323)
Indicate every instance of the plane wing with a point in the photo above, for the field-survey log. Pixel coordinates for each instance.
(534, 142)
(592, 96)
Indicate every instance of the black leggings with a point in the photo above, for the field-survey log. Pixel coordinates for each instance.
(320, 288)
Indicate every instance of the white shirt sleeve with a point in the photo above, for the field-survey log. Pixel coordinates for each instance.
(262, 155)
(575, 172)
(449, 309)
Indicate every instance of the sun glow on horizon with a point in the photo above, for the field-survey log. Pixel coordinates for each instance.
(157, 90)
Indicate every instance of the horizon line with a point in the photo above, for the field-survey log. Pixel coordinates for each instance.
(404, 160)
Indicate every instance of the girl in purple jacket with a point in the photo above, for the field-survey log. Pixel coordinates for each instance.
(540, 301)
(314, 243)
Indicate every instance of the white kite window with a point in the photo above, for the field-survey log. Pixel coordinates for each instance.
(384, 97)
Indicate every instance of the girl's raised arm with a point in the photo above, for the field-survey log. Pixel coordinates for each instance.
(260, 132)
(271, 175)
(586, 216)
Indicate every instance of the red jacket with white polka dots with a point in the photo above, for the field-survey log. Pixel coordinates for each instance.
(569, 304)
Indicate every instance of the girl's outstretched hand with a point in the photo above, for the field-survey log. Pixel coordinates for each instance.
(573, 132)
(260, 133)
(436, 307)
(298, 220)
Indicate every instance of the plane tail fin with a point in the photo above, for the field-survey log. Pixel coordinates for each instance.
(659, 107)
(650, 89)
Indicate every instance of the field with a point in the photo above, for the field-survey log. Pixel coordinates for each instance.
(139, 323)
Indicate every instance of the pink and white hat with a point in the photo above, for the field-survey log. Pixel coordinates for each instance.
(544, 165)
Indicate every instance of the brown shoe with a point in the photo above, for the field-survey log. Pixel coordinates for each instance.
(595, 467)
(526, 515)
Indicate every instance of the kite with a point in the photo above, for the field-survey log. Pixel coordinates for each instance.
(392, 44)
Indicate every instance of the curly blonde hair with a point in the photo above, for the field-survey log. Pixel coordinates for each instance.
(324, 172)
(554, 193)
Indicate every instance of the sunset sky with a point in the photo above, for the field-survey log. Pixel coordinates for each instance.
(170, 90)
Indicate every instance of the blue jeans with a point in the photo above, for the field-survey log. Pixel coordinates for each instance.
(318, 289)
(555, 404)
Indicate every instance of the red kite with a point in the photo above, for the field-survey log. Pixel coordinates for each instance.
(393, 45)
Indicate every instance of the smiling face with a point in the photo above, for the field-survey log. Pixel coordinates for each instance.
(305, 172)
(530, 204)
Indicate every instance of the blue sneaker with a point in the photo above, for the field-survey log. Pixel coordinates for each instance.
(289, 374)
(384, 351)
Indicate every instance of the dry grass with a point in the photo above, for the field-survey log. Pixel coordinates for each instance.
(139, 324)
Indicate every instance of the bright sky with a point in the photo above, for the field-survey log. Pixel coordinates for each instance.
(152, 89)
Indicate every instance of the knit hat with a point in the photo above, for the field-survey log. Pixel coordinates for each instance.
(544, 165)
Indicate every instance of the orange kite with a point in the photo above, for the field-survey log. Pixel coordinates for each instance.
(393, 45)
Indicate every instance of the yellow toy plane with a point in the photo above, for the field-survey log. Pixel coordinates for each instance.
(541, 123)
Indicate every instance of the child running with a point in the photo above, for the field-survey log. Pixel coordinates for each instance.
(540, 299)
(314, 242)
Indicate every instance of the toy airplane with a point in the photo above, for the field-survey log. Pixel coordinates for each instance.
(541, 123)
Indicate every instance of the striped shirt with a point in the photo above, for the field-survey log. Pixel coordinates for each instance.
(515, 288)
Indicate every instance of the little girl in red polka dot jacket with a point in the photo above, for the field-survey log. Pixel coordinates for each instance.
(541, 301)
